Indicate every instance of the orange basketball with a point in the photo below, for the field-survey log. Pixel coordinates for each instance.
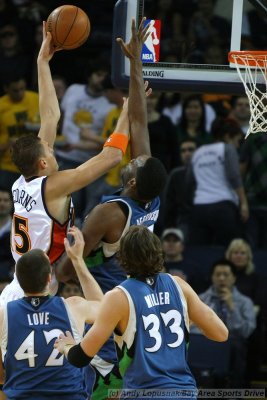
(69, 27)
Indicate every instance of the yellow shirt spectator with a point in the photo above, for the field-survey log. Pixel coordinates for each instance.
(17, 118)
(113, 176)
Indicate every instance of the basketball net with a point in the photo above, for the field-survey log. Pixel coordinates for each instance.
(252, 69)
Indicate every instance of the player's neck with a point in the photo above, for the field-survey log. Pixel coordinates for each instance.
(44, 293)
(41, 294)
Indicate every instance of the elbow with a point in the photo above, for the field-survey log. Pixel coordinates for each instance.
(56, 115)
(54, 112)
(118, 158)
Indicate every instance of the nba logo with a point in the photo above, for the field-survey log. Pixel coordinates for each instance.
(150, 51)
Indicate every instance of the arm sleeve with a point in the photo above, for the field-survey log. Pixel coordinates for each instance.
(77, 357)
(232, 168)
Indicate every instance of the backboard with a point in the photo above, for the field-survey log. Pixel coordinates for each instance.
(192, 60)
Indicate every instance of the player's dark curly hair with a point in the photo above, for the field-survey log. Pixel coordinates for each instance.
(26, 152)
(32, 270)
(150, 179)
(140, 252)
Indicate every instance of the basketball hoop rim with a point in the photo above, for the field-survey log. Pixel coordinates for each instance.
(252, 58)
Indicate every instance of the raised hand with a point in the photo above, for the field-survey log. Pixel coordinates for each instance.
(133, 48)
(64, 340)
(75, 250)
(47, 49)
(148, 90)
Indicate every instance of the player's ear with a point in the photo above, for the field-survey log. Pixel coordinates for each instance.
(42, 164)
(132, 182)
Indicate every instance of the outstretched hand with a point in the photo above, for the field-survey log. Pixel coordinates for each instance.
(75, 250)
(133, 48)
(64, 340)
(148, 90)
(47, 49)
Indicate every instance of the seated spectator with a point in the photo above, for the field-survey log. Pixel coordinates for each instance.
(247, 281)
(176, 204)
(84, 106)
(12, 54)
(175, 263)
(240, 111)
(219, 202)
(19, 116)
(172, 108)
(192, 124)
(205, 28)
(6, 260)
(236, 311)
(171, 23)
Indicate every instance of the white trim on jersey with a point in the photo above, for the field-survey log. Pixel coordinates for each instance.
(129, 333)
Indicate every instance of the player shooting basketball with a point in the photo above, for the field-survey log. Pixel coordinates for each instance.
(42, 199)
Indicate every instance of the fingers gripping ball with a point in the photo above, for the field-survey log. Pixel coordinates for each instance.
(69, 27)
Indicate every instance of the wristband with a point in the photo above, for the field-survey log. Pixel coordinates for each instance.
(118, 140)
(77, 357)
(67, 347)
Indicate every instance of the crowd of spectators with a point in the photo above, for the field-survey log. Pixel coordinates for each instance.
(217, 185)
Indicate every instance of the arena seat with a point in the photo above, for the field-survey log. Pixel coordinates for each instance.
(208, 360)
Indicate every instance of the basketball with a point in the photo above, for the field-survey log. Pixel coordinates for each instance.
(69, 27)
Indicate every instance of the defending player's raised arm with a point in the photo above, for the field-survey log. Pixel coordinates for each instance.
(137, 99)
(105, 221)
(202, 315)
(64, 183)
(48, 102)
(89, 285)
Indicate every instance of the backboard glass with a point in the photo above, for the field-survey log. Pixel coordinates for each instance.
(191, 62)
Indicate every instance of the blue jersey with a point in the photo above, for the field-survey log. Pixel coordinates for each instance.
(107, 272)
(102, 262)
(34, 369)
(155, 339)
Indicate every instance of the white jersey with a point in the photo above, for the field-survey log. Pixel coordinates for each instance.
(33, 227)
